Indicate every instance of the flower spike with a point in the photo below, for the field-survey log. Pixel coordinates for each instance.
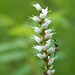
(45, 49)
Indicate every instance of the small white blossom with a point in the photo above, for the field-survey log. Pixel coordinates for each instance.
(48, 36)
(51, 67)
(45, 10)
(44, 48)
(37, 30)
(43, 15)
(47, 46)
(50, 72)
(37, 39)
(35, 18)
(51, 61)
(51, 50)
(48, 31)
(46, 20)
(39, 48)
(41, 56)
(37, 6)
(45, 25)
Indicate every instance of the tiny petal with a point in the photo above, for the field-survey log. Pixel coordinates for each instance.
(51, 50)
(37, 6)
(51, 67)
(35, 18)
(37, 39)
(51, 61)
(37, 30)
(41, 56)
(50, 72)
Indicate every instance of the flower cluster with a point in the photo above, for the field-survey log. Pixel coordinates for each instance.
(45, 50)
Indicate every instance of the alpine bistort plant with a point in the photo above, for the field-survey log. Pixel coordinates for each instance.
(45, 48)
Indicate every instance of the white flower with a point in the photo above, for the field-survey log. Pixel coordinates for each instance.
(48, 31)
(44, 48)
(50, 72)
(47, 46)
(49, 41)
(39, 48)
(37, 6)
(47, 20)
(35, 18)
(41, 56)
(45, 25)
(51, 61)
(43, 15)
(45, 10)
(37, 30)
(37, 39)
(51, 50)
(48, 36)
(51, 67)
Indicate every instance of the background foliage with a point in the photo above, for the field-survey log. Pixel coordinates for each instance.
(16, 55)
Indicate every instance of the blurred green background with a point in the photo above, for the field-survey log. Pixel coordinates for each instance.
(16, 55)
